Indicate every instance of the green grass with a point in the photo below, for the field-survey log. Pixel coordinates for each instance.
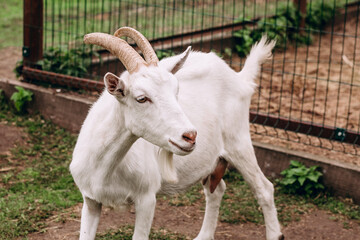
(68, 22)
(193, 195)
(11, 23)
(40, 182)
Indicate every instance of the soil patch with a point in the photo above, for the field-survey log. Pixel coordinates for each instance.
(9, 57)
(187, 220)
(10, 136)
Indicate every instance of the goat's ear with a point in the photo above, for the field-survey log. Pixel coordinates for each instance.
(114, 85)
(181, 61)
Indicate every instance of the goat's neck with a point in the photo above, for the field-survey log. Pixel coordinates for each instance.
(114, 140)
(123, 139)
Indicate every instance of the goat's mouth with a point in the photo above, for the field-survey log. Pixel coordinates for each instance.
(182, 148)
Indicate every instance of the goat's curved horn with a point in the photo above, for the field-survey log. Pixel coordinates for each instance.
(141, 41)
(118, 47)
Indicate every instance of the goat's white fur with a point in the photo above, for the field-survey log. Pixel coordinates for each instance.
(123, 152)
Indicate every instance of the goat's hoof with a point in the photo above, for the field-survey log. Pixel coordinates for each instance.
(282, 237)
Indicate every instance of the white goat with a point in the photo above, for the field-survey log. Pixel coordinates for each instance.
(124, 152)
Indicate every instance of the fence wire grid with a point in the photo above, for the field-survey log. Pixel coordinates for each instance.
(309, 92)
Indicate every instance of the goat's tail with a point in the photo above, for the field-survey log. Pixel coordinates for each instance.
(260, 52)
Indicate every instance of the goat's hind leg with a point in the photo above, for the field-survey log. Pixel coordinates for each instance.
(90, 216)
(241, 155)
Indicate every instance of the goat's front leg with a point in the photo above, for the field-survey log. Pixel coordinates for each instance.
(213, 201)
(145, 208)
(90, 216)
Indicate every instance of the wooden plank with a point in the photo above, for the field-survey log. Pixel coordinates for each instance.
(61, 79)
(33, 32)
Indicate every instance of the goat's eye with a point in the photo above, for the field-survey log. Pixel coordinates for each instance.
(141, 99)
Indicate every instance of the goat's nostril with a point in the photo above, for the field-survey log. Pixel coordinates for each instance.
(190, 136)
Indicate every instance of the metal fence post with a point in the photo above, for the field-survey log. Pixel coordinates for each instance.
(301, 5)
(33, 32)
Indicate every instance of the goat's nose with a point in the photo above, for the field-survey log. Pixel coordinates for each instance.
(190, 137)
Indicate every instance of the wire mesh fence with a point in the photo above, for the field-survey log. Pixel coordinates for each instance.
(308, 93)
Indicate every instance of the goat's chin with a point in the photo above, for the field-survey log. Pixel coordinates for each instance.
(180, 150)
(181, 153)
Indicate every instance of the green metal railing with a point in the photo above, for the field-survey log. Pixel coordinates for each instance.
(308, 93)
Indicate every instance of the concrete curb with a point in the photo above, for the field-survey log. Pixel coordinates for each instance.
(63, 109)
(69, 112)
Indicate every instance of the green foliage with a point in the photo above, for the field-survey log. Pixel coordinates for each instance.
(20, 98)
(244, 39)
(301, 180)
(319, 14)
(284, 26)
(70, 61)
(164, 53)
(18, 68)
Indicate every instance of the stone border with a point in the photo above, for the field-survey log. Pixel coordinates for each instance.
(69, 111)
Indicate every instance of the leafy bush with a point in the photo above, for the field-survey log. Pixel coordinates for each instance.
(301, 180)
(244, 39)
(70, 61)
(20, 98)
(284, 26)
(319, 13)
(18, 68)
(164, 53)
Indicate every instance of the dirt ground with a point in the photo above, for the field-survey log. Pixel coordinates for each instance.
(187, 220)
(10, 56)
